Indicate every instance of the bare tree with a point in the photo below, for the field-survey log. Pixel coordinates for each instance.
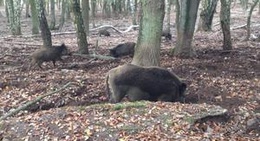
(81, 34)
(53, 20)
(14, 15)
(186, 26)
(225, 24)
(45, 31)
(85, 14)
(147, 50)
(168, 16)
(35, 20)
(249, 14)
(63, 11)
(206, 15)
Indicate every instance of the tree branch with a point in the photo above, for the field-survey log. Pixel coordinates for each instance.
(74, 32)
(98, 56)
(32, 102)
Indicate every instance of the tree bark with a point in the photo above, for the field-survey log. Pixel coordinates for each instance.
(147, 50)
(2, 3)
(14, 15)
(249, 19)
(7, 11)
(85, 14)
(45, 31)
(63, 11)
(168, 16)
(244, 4)
(106, 11)
(68, 10)
(114, 9)
(35, 20)
(177, 19)
(52, 23)
(128, 7)
(93, 12)
(225, 24)
(134, 14)
(206, 15)
(186, 26)
(81, 35)
(27, 15)
(259, 8)
(46, 5)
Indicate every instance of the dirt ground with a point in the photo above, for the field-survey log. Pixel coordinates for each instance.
(230, 80)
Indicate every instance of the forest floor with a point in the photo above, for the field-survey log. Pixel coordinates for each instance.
(222, 102)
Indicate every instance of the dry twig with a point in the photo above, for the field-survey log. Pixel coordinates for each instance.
(32, 102)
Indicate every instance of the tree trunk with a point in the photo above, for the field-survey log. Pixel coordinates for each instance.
(85, 14)
(206, 15)
(139, 12)
(46, 4)
(113, 5)
(119, 6)
(35, 20)
(168, 16)
(225, 23)
(68, 16)
(52, 23)
(177, 19)
(27, 15)
(63, 11)
(17, 17)
(93, 12)
(81, 35)
(134, 13)
(128, 7)
(2, 3)
(14, 12)
(249, 19)
(7, 12)
(147, 50)
(116, 7)
(124, 7)
(58, 4)
(45, 31)
(244, 4)
(186, 26)
(107, 9)
(259, 8)
(10, 12)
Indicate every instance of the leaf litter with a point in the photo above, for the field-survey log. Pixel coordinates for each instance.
(222, 102)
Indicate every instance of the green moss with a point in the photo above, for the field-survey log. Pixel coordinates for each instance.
(126, 105)
(131, 129)
(189, 119)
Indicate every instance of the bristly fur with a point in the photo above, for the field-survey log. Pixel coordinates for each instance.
(167, 35)
(49, 54)
(103, 32)
(144, 83)
(124, 49)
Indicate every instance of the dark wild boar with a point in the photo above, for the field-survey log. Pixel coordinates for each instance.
(103, 32)
(49, 54)
(167, 35)
(124, 49)
(144, 83)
